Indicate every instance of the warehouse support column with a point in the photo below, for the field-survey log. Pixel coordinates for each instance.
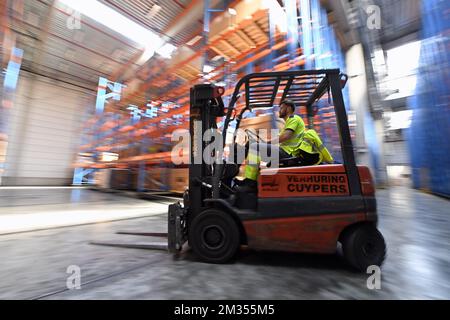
(271, 57)
(307, 42)
(292, 30)
(367, 131)
(206, 18)
(316, 33)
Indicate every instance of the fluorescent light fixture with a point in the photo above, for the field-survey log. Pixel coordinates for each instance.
(207, 68)
(149, 51)
(166, 50)
(153, 11)
(115, 21)
(109, 156)
(209, 75)
(221, 84)
(232, 11)
(121, 24)
(193, 40)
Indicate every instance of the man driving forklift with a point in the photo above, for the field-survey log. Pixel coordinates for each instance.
(293, 142)
(296, 208)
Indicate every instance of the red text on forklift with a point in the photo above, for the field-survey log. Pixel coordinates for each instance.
(318, 178)
(321, 188)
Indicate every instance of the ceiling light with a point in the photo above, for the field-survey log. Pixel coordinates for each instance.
(108, 156)
(115, 21)
(153, 11)
(166, 50)
(207, 68)
(232, 11)
(193, 40)
(218, 57)
(147, 54)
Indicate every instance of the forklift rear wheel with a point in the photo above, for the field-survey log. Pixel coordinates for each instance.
(363, 246)
(214, 236)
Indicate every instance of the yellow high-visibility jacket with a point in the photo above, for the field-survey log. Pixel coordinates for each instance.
(311, 143)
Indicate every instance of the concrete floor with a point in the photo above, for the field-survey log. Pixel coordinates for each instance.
(38, 208)
(33, 264)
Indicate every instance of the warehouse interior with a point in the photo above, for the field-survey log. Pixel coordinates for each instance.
(93, 93)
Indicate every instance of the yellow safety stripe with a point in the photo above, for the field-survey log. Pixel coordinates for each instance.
(294, 143)
(312, 144)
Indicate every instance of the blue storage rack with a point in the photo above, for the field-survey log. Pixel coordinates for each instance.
(430, 126)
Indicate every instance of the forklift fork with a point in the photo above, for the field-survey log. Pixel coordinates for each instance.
(176, 235)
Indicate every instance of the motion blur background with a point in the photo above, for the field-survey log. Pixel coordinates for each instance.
(104, 87)
(92, 90)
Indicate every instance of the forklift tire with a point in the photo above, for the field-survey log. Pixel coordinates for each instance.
(363, 246)
(214, 236)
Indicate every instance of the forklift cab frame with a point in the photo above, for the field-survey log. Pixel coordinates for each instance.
(215, 227)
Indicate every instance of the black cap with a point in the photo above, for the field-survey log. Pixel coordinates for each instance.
(289, 103)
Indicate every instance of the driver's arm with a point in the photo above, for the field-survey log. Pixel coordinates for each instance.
(290, 127)
(287, 134)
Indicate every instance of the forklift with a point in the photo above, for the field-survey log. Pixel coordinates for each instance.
(309, 209)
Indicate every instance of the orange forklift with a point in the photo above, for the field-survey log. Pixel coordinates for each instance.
(295, 208)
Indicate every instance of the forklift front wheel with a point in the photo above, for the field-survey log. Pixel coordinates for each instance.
(363, 246)
(214, 236)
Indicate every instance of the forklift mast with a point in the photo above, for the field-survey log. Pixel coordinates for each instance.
(206, 105)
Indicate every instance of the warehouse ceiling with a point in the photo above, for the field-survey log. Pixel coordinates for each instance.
(80, 56)
(399, 19)
(158, 16)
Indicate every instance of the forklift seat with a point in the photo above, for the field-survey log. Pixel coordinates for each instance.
(304, 159)
(287, 162)
(290, 162)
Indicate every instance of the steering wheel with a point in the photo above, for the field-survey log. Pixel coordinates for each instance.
(252, 135)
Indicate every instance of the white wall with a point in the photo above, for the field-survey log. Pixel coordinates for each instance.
(44, 131)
